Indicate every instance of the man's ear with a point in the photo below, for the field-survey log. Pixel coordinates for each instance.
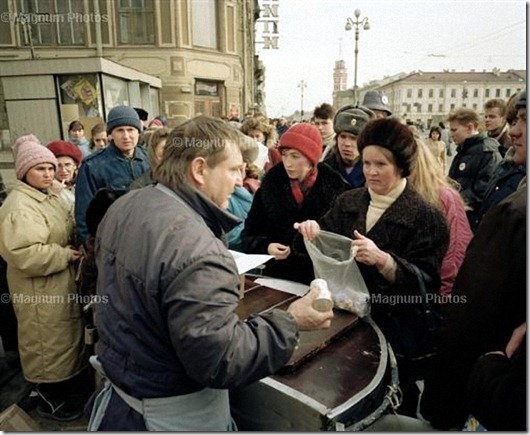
(196, 171)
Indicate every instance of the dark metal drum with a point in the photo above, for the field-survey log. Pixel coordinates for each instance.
(343, 378)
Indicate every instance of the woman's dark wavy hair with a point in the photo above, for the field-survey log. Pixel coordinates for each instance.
(391, 134)
(435, 128)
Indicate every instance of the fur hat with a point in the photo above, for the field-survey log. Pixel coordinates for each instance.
(61, 148)
(351, 119)
(305, 138)
(123, 115)
(396, 137)
(376, 100)
(29, 152)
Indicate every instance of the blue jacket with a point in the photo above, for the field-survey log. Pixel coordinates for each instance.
(355, 178)
(239, 205)
(106, 168)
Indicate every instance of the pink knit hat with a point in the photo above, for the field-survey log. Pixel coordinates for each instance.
(30, 152)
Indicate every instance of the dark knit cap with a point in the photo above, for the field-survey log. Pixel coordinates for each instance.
(521, 102)
(123, 115)
(396, 137)
(351, 119)
(305, 138)
(61, 148)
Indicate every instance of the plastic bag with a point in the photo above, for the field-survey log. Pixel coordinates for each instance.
(334, 261)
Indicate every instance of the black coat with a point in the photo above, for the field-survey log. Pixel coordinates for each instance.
(472, 168)
(274, 212)
(496, 391)
(411, 230)
(489, 303)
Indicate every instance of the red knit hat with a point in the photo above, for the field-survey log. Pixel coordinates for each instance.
(30, 152)
(62, 148)
(305, 138)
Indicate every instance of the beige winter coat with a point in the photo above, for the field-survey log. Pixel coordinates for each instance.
(35, 229)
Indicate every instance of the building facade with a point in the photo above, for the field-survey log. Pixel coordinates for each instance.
(202, 51)
(428, 97)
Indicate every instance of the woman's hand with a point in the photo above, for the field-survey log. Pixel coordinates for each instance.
(278, 251)
(367, 251)
(309, 229)
(75, 254)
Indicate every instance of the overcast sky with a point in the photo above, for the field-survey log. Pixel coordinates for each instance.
(403, 36)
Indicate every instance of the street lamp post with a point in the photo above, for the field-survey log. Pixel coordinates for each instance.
(356, 24)
(302, 85)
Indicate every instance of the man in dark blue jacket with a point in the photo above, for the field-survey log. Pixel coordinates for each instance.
(114, 167)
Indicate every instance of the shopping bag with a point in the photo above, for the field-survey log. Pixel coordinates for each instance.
(334, 262)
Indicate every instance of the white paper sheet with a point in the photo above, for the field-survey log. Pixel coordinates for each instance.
(283, 285)
(246, 262)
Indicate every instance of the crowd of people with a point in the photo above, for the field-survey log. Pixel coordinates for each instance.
(138, 219)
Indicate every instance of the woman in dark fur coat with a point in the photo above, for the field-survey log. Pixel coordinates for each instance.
(294, 190)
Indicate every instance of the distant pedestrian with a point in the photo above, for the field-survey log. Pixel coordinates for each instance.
(436, 146)
(377, 102)
(323, 120)
(99, 138)
(496, 125)
(76, 135)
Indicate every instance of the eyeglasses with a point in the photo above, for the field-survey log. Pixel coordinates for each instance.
(65, 165)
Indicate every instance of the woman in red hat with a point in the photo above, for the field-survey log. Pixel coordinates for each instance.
(299, 187)
(69, 159)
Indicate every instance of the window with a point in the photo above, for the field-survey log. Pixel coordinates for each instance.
(136, 22)
(475, 93)
(429, 108)
(452, 106)
(409, 93)
(440, 107)
(431, 93)
(203, 87)
(497, 93)
(475, 106)
(487, 94)
(419, 107)
(453, 93)
(408, 108)
(441, 93)
(508, 93)
(52, 22)
(204, 23)
(80, 98)
(420, 93)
